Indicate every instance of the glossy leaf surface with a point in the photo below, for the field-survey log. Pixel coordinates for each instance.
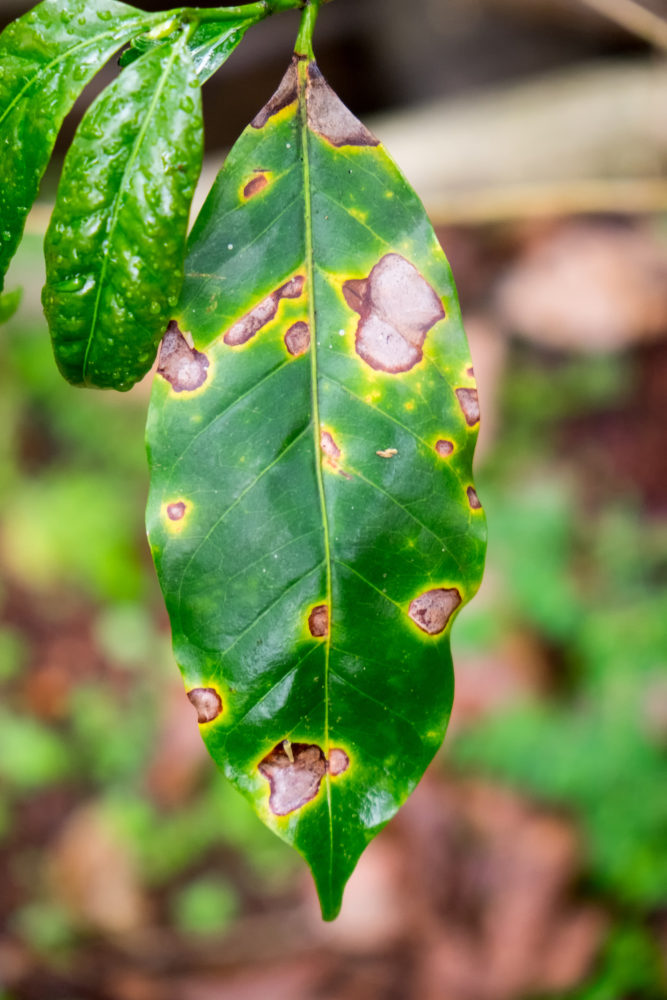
(115, 245)
(46, 59)
(311, 513)
(211, 45)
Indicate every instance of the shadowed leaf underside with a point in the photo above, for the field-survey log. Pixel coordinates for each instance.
(310, 434)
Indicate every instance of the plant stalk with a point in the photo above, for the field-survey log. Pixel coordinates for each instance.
(304, 40)
(243, 12)
(249, 13)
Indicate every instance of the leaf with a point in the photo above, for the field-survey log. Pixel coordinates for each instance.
(9, 303)
(116, 242)
(46, 59)
(311, 512)
(211, 45)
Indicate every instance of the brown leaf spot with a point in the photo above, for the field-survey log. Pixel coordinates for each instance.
(293, 288)
(330, 448)
(469, 403)
(286, 93)
(470, 371)
(354, 292)
(332, 453)
(433, 609)
(338, 762)
(293, 782)
(328, 116)
(444, 447)
(181, 365)
(176, 511)
(250, 324)
(397, 307)
(207, 702)
(318, 621)
(387, 452)
(473, 499)
(255, 185)
(297, 339)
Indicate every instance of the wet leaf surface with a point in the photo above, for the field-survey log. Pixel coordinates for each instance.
(325, 538)
(115, 245)
(210, 44)
(47, 57)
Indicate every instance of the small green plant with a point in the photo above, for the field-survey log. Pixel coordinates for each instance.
(312, 514)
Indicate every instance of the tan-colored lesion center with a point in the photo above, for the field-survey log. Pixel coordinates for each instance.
(249, 325)
(397, 308)
(181, 364)
(295, 771)
(432, 610)
(207, 703)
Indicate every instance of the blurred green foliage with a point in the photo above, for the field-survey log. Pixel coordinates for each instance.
(592, 585)
(631, 966)
(9, 303)
(205, 907)
(31, 754)
(590, 582)
(72, 464)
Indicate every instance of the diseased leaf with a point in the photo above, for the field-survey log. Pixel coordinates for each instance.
(211, 45)
(312, 514)
(115, 245)
(46, 59)
(9, 303)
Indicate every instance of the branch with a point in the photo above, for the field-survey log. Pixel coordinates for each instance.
(249, 11)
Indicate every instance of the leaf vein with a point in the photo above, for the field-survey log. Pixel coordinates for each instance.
(279, 457)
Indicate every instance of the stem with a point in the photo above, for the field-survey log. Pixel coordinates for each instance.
(248, 12)
(304, 40)
(245, 12)
(635, 19)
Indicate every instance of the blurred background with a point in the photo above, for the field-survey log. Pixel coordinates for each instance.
(531, 860)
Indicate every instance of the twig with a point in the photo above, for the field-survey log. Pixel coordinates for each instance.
(635, 19)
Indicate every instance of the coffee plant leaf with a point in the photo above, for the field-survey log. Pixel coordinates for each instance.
(312, 512)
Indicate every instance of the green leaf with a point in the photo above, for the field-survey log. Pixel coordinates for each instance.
(46, 59)
(116, 242)
(311, 513)
(211, 45)
(9, 303)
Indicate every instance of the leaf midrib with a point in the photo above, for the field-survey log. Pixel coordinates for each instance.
(310, 276)
(136, 146)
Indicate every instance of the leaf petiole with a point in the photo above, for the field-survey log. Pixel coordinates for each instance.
(304, 41)
(250, 11)
(164, 22)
